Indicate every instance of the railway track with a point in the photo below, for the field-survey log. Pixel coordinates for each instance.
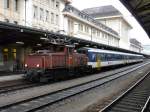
(146, 107)
(36, 103)
(135, 99)
(24, 85)
(20, 86)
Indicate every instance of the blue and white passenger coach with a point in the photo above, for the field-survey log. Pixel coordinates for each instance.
(102, 58)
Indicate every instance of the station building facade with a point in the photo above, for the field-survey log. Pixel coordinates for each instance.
(82, 25)
(111, 17)
(135, 45)
(40, 14)
(49, 15)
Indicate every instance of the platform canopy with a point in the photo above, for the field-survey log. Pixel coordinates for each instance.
(141, 10)
(27, 36)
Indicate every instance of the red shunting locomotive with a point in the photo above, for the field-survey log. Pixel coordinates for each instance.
(46, 65)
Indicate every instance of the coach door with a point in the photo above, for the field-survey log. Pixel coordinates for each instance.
(98, 61)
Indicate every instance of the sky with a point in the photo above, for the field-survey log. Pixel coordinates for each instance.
(137, 31)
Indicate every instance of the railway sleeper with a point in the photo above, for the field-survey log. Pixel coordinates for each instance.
(140, 94)
(142, 88)
(136, 99)
(118, 109)
(128, 106)
(133, 101)
(131, 104)
(139, 91)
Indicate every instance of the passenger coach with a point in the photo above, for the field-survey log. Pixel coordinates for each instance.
(102, 58)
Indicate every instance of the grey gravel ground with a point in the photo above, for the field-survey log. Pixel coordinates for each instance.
(16, 96)
(96, 99)
(10, 78)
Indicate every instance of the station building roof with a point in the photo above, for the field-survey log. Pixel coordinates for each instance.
(102, 11)
(141, 10)
(11, 33)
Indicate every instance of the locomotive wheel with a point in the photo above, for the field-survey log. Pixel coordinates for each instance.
(35, 77)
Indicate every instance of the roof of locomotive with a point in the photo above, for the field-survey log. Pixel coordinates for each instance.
(107, 51)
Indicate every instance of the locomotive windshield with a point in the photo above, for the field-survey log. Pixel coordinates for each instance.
(58, 49)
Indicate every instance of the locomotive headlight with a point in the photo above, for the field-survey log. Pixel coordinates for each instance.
(37, 65)
(26, 65)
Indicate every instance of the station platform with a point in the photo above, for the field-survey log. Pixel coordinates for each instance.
(11, 77)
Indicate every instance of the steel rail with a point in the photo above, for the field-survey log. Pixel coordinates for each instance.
(25, 85)
(17, 87)
(146, 106)
(108, 107)
(36, 103)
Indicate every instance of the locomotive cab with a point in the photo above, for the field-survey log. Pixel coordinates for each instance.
(50, 64)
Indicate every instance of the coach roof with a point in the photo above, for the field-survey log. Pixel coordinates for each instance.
(108, 51)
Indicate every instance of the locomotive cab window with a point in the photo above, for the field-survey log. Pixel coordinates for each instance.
(59, 49)
(70, 50)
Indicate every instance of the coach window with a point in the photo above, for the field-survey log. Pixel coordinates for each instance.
(110, 57)
(107, 57)
(93, 57)
(119, 57)
(125, 57)
(102, 56)
(98, 57)
(113, 57)
(128, 57)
